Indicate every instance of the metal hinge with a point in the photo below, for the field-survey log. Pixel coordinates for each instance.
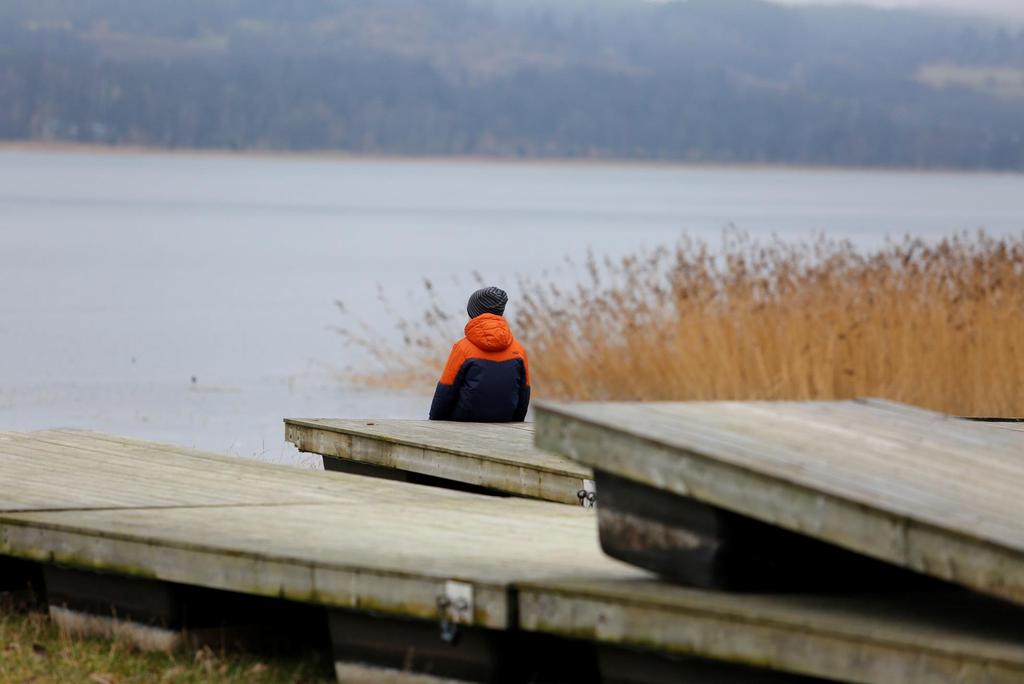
(588, 495)
(455, 607)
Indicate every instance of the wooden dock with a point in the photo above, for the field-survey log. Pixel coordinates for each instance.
(930, 637)
(397, 567)
(132, 526)
(495, 457)
(241, 525)
(915, 489)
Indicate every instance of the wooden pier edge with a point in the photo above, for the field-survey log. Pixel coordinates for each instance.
(410, 596)
(945, 554)
(480, 468)
(699, 545)
(607, 613)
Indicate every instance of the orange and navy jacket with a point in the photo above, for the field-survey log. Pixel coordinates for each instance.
(487, 377)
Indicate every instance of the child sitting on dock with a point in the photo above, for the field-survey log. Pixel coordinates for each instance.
(487, 377)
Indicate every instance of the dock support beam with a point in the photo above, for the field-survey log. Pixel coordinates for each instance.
(21, 583)
(704, 546)
(164, 616)
(628, 666)
(342, 465)
(415, 649)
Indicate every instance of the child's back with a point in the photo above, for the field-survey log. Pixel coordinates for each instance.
(487, 377)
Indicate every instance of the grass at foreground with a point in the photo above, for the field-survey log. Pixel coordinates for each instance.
(935, 324)
(33, 650)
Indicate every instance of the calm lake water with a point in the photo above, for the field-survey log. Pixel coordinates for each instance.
(125, 276)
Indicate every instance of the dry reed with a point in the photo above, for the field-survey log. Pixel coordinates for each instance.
(936, 324)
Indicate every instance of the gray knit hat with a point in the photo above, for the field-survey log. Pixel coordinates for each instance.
(487, 300)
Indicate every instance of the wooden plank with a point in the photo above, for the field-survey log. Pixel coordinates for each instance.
(874, 639)
(257, 528)
(687, 541)
(35, 469)
(921, 490)
(498, 456)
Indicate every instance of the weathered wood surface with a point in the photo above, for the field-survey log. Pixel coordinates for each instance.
(97, 502)
(684, 540)
(926, 492)
(161, 513)
(78, 469)
(497, 456)
(875, 639)
(918, 489)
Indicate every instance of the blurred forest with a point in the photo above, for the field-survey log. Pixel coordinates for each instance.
(703, 80)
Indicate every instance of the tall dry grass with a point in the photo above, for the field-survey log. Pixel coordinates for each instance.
(939, 325)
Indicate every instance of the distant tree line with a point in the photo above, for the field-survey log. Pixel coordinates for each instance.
(722, 80)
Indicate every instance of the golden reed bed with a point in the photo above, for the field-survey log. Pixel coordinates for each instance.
(936, 324)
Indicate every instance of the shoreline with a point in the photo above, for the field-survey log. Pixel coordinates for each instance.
(63, 147)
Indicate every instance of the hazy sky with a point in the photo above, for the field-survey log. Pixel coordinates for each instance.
(1014, 8)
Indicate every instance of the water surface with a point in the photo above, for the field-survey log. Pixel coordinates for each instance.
(190, 298)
